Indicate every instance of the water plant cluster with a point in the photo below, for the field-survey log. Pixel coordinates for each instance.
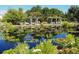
(41, 39)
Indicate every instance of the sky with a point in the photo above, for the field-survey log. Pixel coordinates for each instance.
(4, 8)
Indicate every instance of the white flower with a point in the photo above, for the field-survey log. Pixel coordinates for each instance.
(71, 43)
(60, 50)
(37, 50)
(27, 47)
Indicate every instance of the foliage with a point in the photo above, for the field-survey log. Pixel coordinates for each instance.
(70, 39)
(45, 48)
(72, 50)
(67, 42)
(20, 49)
(15, 16)
(11, 51)
(68, 26)
(73, 13)
(36, 8)
(44, 12)
(77, 41)
(7, 29)
(12, 33)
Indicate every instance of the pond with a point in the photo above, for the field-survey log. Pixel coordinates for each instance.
(32, 42)
(5, 45)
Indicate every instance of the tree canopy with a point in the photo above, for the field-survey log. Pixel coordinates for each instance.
(44, 12)
(73, 13)
(15, 16)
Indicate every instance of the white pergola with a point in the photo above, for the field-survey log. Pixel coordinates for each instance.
(56, 21)
(34, 22)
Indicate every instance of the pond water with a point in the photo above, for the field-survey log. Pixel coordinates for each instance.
(5, 45)
(28, 39)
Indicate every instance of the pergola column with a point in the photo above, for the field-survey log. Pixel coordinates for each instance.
(36, 20)
(51, 20)
(31, 20)
(60, 20)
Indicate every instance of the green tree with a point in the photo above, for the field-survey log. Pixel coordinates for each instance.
(45, 11)
(15, 16)
(57, 12)
(36, 9)
(73, 13)
(8, 29)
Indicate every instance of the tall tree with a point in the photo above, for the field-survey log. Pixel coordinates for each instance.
(55, 11)
(45, 11)
(36, 9)
(73, 13)
(14, 16)
(34, 12)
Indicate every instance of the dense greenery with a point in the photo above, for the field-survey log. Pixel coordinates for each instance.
(14, 29)
(46, 47)
(15, 16)
(73, 13)
(38, 11)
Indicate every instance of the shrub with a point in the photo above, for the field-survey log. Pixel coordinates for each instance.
(77, 41)
(10, 51)
(70, 40)
(72, 50)
(67, 25)
(45, 48)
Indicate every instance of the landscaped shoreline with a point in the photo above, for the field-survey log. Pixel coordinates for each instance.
(40, 31)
